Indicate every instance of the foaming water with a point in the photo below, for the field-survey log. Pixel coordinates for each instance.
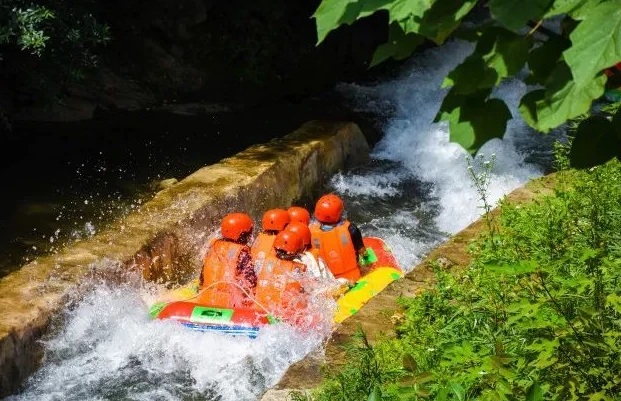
(107, 348)
(419, 190)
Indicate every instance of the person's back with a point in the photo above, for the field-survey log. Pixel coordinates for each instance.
(273, 222)
(278, 284)
(228, 276)
(336, 241)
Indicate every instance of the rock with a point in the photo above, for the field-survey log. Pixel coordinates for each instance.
(169, 182)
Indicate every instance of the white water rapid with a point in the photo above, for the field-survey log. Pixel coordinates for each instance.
(414, 194)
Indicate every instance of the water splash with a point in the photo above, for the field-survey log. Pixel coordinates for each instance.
(108, 348)
(428, 193)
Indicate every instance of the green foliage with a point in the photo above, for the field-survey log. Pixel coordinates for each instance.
(61, 41)
(362, 379)
(569, 67)
(536, 318)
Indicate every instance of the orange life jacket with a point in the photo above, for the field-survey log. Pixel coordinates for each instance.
(262, 247)
(220, 266)
(336, 249)
(278, 286)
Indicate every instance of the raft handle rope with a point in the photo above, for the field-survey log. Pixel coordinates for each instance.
(253, 299)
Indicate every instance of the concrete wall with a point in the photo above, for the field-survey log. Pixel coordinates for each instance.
(165, 237)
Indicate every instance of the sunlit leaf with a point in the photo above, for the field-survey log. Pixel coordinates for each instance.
(458, 390)
(596, 43)
(576, 9)
(375, 395)
(561, 101)
(474, 119)
(499, 54)
(332, 13)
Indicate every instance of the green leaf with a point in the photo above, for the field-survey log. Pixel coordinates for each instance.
(332, 13)
(576, 9)
(420, 378)
(444, 17)
(534, 393)
(514, 14)
(528, 106)
(596, 43)
(595, 143)
(471, 75)
(458, 390)
(561, 101)
(375, 395)
(499, 53)
(519, 268)
(473, 119)
(407, 13)
(399, 46)
(508, 53)
(409, 363)
(542, 60)
(599, 396)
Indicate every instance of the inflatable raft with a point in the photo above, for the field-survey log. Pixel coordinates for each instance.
(379, 270)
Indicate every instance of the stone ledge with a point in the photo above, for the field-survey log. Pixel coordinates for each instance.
(165, 237)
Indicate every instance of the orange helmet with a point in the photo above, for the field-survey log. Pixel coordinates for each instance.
(329, 209)
(275, 219)
(301, 229)
(300, 214)
(234, 225)
(289, 242)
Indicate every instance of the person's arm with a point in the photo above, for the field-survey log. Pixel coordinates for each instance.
(356, 238)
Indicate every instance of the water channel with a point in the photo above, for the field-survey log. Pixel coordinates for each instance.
(415, 193)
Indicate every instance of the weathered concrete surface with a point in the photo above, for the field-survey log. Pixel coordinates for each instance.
(377, 318)
(165, 238)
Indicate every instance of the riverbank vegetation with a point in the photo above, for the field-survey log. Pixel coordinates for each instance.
(535, 316)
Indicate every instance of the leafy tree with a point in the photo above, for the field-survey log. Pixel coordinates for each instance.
(567, 69)
(50, 42)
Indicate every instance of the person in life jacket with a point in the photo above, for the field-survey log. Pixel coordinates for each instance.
(337, 241)
(299, 214)
(228, 277)
(279, 291)
(314, 267)
(273, 222)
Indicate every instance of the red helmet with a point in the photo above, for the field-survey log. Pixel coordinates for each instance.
(329, 209)
(289, 241)
(234, 225)
(301, 229)
(275, 219)
(300, 214)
